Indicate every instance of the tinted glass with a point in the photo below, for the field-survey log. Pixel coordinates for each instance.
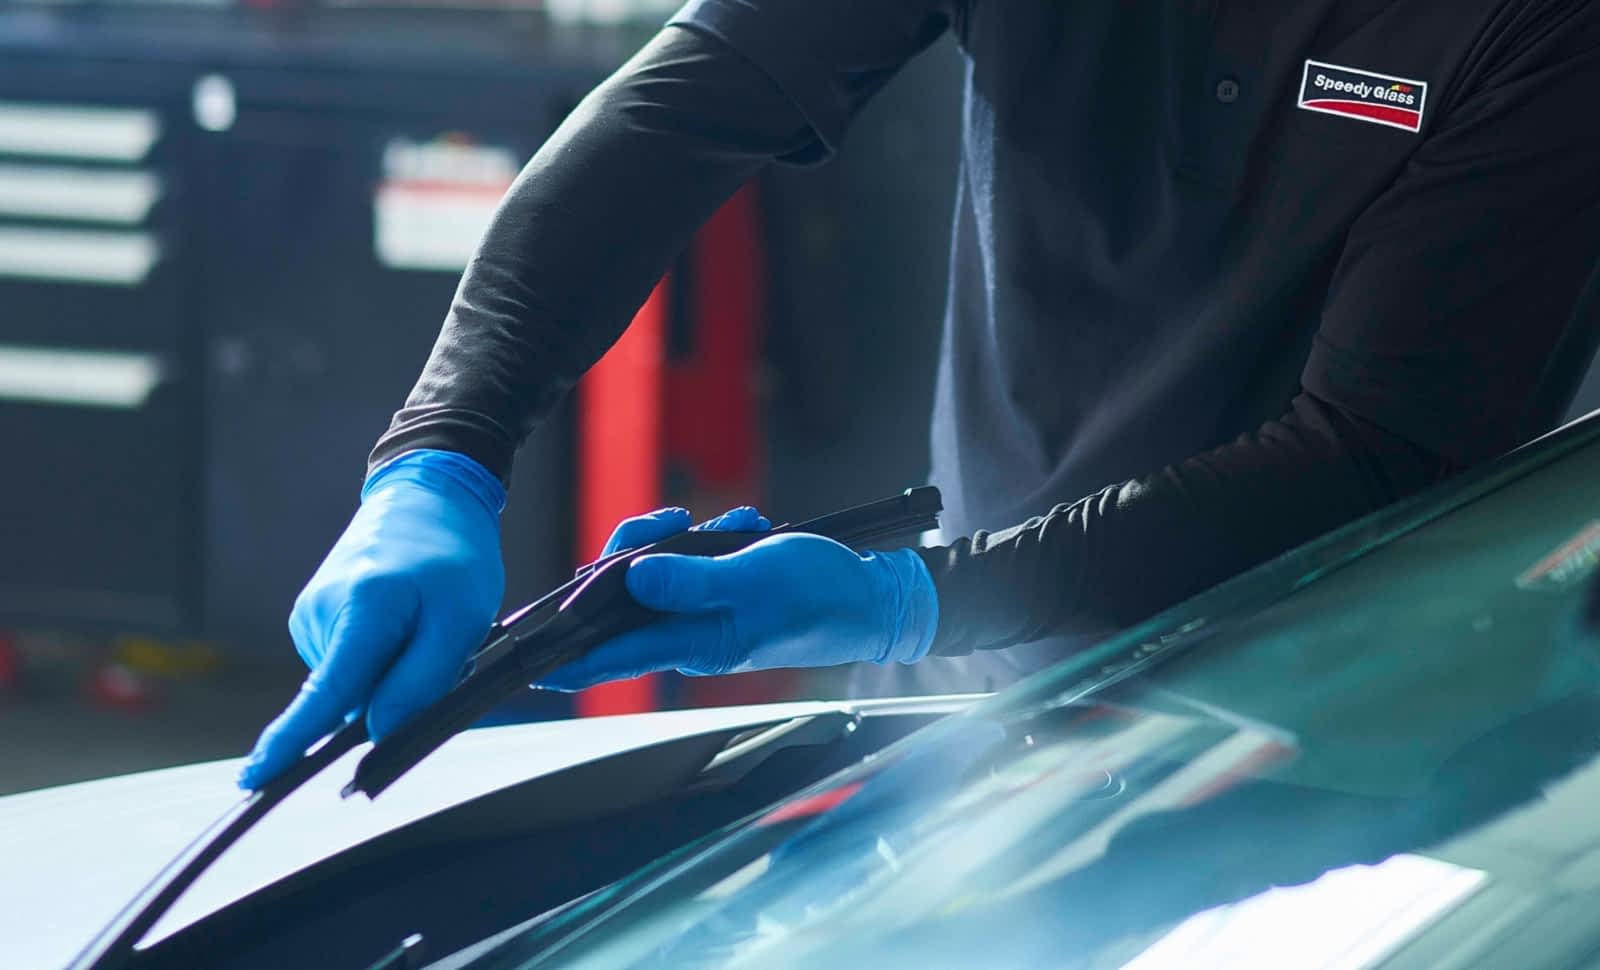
(1389, 760)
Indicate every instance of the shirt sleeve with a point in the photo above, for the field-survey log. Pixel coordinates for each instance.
(1450, 318)
(601, 210)
(827, 56)
(1100, 564)
(583, 235)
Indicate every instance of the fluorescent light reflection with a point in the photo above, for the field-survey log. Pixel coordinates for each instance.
(1349, 919)
(88, 378)
(77, 255)
(77, 131)
(56, 192)
(431, 230)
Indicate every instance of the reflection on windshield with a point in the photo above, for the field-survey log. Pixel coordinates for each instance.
(1108, 835)
(1374, 910)
(1337, 770)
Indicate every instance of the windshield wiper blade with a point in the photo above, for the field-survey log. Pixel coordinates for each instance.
(113, 946)
(594, 607)
(522, 647)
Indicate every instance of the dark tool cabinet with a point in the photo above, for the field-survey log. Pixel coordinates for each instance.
(197, 351)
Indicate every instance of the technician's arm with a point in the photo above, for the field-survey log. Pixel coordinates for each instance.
(412, 585)
(579, 241)
(1132, 549)
(613, 196)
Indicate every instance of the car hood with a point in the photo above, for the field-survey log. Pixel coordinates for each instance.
(74, 855)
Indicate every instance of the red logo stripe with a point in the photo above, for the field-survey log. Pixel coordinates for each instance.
(1403, 117)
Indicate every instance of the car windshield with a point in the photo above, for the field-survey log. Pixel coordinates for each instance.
(1380, 751)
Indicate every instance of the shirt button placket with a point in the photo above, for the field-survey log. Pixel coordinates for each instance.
(1223, 111)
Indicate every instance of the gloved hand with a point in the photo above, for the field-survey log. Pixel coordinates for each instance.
(641, 530)
(389, 619)
(793, 600)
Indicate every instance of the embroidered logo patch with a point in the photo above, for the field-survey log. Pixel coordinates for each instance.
(1396, 102)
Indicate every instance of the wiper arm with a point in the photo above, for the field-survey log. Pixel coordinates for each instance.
(594, 607)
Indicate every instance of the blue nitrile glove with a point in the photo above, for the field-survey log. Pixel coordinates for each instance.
(641, 530)
(793, 600)
(403, 599)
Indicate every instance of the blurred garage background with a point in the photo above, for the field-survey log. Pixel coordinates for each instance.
(228, 235)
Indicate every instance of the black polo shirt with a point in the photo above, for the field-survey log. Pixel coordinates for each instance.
(1225, 274)
(1172, 213)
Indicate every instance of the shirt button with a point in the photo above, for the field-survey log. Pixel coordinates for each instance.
(1228, 90)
